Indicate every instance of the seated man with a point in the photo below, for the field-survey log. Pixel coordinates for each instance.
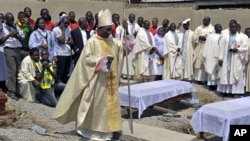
(47, 76)
(42, 76)
(28, 84)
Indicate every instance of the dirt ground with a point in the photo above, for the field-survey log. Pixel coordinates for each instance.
(18, 118)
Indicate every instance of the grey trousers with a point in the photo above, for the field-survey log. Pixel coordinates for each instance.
(13, 61)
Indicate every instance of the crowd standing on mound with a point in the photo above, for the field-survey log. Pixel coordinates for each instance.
(38, 57)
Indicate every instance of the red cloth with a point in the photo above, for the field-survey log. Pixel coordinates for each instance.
(49, 25)
(113, 31)
(73, 25)
(153, 30)
(32, 22)
(90, 26)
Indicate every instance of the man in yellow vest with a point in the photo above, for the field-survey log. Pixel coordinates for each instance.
(46, 75)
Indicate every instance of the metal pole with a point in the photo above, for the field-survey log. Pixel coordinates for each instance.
(129, 95)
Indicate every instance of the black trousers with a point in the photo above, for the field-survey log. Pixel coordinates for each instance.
(3, 86)
(63, 68)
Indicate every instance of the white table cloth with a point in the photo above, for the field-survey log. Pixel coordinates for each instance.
(216, 117)
(144, 95)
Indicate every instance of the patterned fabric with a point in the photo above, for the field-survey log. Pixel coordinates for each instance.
(27, 32)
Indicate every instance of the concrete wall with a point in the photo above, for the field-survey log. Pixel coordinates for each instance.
(174, 14)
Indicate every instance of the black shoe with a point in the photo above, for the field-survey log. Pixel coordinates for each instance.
(13, 96)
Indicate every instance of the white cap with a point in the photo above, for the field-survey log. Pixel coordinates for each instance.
(186, 21)
(104, 18)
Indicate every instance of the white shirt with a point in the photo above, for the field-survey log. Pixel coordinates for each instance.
(11, 41)
(84, 36)
(61, 49)
(133, 28)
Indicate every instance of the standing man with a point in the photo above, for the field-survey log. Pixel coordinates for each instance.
(165, 26)
(210, 53)
(188, 43)
(116, 23)
(72, 22)
(27, 29)
(232, 56)
(116, 19)
(202, 32)
(62, 52)
(140, 21)
(80, 36)
(145, 55)
(11, 37)
(28, 14)
(132, 29)
(172, 54)
(247, 32)
(153, 28)
(91, 97)
(90, 19)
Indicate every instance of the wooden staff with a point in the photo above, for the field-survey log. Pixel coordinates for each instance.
(129, 95)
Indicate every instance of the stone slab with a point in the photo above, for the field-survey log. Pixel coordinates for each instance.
(150, 133)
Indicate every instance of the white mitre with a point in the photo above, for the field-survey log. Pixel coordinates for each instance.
(104, 18)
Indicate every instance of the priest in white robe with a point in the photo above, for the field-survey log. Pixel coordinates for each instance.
(247, 32)
(202, 32)
(226, 31)
(132, 28)
(145, 55)
(210, 53)
(91, 95)
(172, 54)
(128, 40)
(28, 83)
(232, 58)
(188, 44)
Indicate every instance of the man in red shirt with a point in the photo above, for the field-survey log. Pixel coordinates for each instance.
(153, 28)
(28, 13)
(115, 20)
(72, 22)
(90, 19)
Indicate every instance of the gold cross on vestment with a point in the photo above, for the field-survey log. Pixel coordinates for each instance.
(111, 77)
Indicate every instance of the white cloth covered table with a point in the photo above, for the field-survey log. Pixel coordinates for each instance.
(144, 95)
(216, 117)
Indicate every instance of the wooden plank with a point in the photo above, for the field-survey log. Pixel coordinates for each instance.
(164, 109)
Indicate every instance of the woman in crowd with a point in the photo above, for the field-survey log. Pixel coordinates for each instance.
(159, 44)
(41, 38)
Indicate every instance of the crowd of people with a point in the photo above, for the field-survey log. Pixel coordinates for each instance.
(157, 52)
(73, 61)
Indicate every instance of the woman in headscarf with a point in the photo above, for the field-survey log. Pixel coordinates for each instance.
(159, 44)
(41, 38)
